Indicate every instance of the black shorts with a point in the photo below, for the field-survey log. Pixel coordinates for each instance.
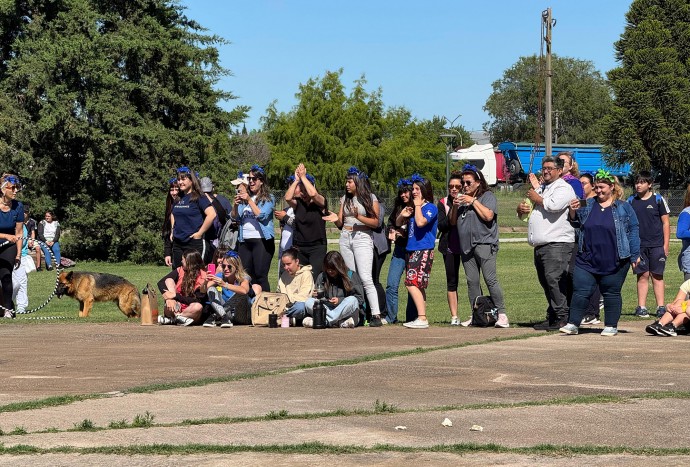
(653, 260)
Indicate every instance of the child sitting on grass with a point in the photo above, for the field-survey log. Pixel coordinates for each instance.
(676, 314)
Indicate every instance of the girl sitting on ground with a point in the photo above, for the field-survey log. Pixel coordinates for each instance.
(227, 291)
(676, 314)
(296, 281)
(343, 293)
(184, 291)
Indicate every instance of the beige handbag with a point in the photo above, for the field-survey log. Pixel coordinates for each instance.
(149, 306)
(266, 303)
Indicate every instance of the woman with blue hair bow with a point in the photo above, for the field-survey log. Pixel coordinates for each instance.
(11, 231)
(310, 207)
(478, 233)
(192, 215)
(357, 217)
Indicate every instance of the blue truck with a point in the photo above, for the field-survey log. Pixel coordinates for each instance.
(589, 158)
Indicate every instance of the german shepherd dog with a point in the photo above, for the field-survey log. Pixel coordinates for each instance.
(89, 287)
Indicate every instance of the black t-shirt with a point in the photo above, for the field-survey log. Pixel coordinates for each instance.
(649, 212)
(309, 227)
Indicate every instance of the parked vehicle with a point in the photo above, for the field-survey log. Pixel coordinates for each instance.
(589, 158)
(491, 163)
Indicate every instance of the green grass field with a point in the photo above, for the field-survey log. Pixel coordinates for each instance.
(524, 298)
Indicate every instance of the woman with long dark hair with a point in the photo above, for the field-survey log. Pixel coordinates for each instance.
(253, 210)
(11, 230)
(478, 233)
(357, 217)
(191, 217)
(422, 220)
(343, 293)
(170, 200)
(397, 234)
(184, 291)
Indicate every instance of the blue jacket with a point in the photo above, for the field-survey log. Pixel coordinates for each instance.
(627, 228)
(683, 232)
(265, 218)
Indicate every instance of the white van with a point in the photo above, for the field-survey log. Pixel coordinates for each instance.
(482, 156)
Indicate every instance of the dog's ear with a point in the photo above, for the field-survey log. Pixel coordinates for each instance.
(68, 277)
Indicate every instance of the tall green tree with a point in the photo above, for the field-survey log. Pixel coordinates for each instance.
(580, 95)
(117, 95)
(330, 130)
(649, 124)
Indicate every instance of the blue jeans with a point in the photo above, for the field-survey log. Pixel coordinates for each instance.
(395, 272)
(610, 285)
(347, 308)
(297, 310)
(56, 251)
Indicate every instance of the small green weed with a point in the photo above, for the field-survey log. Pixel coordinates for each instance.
(273, 415)
(19, 430)
(143, 421)
(383, 407)
(118, 424)
(84, 425)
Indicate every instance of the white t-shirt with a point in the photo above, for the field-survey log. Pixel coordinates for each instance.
(49, 229)
(250, 225)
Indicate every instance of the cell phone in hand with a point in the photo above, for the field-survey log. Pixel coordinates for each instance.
(211, 269)
(582, 202)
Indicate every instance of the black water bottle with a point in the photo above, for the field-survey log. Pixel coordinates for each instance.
(319, 311)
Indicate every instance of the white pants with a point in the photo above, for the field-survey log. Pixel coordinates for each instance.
(357, 249)
(20, 285)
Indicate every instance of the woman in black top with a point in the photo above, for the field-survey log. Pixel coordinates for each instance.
(309, 228)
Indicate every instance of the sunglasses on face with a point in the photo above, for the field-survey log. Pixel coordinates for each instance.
(252, 179)
(457, 187)
(548, 169)
(467, 182)
(12, 187)
(226, 266)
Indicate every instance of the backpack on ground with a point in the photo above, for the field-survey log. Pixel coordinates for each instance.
(484, 312)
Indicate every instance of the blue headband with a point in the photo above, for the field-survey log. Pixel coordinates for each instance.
(470, 168)
(257, 168)
(232, 254)
(416, 178)
(403, 182)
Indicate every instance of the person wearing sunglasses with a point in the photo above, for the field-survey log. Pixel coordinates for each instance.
(608, 243)
(478, 231)
(191, 218)
(253, 210)
(227, 291)
(553, 237)
(449, 242)
(11, 230)
(172, 197)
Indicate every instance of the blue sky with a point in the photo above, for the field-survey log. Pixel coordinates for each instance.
(433, 57)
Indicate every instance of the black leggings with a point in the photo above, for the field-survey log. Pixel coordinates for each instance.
(452, 262)
(313, 255)
(7, 256)
(256, 255)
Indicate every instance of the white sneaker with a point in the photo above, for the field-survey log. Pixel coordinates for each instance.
(348, 323)
(417, 324)
(502, 321)
(164, 320)
(308, 322)
(183, 320)
(465, 324)
(455, 321)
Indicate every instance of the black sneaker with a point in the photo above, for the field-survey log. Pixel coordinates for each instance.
(654, 329)
(668, 330)
(543, 326)
(590, 319)
(226, 321)
(375, 321)
(211, 321)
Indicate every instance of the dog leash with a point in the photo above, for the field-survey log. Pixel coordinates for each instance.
(52, 294)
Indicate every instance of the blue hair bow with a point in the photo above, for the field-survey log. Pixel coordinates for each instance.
(354, 171)
(14, 180)
(470, 168)
(290, 179)
(403, 182)
(232, 254)
(311, 179)
(257, 168)
(417, 178)
(184, 170)
(172, 180)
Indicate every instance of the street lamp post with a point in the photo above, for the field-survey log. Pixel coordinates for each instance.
(448, 136)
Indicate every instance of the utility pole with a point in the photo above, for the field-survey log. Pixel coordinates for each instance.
(448, 136)
(548, 135)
